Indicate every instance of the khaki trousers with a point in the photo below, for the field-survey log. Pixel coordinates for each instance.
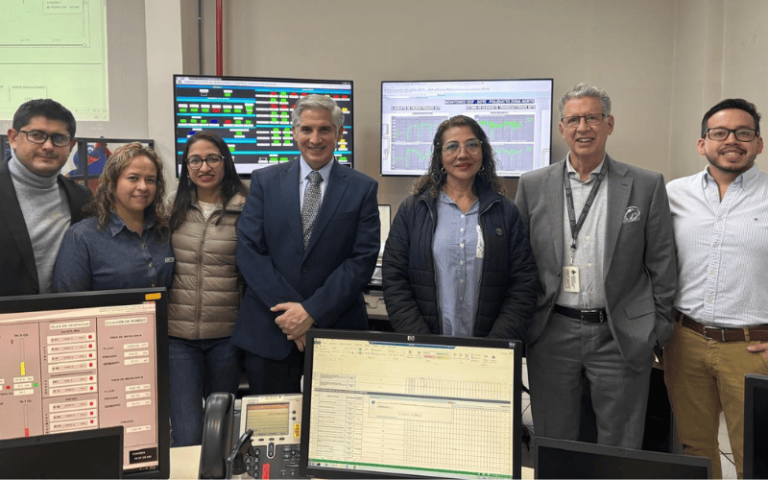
(705, 377)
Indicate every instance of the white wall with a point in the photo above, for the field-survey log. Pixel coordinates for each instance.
(623, 46)
(664, 62)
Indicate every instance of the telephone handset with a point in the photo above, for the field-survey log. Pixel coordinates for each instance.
(276, 424)
(217, 435)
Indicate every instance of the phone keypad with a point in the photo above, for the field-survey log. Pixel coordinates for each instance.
(285, 463)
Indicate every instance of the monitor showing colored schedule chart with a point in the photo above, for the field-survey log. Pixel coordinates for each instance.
(253, 116)
(516, 115)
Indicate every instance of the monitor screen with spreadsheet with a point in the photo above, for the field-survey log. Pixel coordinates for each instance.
(383, 404)
(516, 115)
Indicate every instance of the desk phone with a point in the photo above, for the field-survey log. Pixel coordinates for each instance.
(276, 424)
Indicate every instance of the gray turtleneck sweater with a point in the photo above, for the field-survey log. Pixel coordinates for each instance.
(46, 212)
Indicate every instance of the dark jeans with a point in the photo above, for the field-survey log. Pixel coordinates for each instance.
(198, 368)
(267, 376)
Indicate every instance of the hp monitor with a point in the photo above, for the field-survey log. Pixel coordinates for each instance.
(253, 116)
(570, 459)
(393, 405)
(516, 115)
(80, 454)
(73, 362)
(756, 426)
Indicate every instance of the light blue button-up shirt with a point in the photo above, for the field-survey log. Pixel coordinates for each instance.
(458, 265)
(722, 248)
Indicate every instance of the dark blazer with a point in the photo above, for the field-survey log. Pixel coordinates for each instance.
(18, 272)
(508, 284)
(327, 278)
(640, 264)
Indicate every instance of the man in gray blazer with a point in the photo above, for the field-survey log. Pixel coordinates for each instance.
(602, 238)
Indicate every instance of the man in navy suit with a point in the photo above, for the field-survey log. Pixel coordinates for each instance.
(308, 239)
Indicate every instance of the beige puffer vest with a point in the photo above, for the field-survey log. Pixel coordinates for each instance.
(207, 290)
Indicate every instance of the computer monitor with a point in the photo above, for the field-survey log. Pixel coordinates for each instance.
(570, 459)
(756, 426)
(253, 116)
(516, 115)
(94, 453)
(86, 360)
(393, 405)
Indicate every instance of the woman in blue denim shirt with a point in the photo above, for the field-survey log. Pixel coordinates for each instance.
(126, 243)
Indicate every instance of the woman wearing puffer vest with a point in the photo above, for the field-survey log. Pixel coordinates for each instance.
(207, 287)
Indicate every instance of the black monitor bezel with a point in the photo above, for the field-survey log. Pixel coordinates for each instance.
(381, 112)
(74, 300)
(617, 452)
(375, 336)
(752, 383)
(177, 158)
(62, 439)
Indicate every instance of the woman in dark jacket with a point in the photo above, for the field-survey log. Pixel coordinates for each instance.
(472, 272)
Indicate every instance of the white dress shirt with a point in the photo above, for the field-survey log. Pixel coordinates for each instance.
(722, 249)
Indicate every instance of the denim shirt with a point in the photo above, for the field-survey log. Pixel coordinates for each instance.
(112, 258)
(458, 265)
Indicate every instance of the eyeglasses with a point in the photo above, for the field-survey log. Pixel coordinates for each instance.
(472, 147)
(58, 139)
(213, 161)
(720, 134)
(574, 121)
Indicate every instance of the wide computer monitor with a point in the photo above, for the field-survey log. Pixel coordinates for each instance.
(79, 361)
(756, 426)
(571, 459)
(96, 453)
(253, 116)
(516, 115)
(393, 405)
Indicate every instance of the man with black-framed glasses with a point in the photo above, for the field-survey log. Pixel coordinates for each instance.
(720, 223)
(37, 205)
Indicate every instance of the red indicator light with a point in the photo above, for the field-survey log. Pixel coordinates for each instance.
(90, 364)
(91, 421)
(91, 403)
(90, 336)
(91, 388)
(26, 432)
(90, 345)
(7, 387)
(90, 378)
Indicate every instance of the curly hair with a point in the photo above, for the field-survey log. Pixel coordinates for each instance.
(230, 186)
(432, 182)
(104, 202)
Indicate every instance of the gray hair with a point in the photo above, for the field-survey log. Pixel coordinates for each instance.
(583, 90)
(318, 102)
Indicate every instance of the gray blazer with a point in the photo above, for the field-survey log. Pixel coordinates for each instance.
(640, 268)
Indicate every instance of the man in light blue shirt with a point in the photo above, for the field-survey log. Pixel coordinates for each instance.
(720, 219)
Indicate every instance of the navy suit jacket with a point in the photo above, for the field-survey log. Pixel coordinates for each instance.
(18, 270)
(327, 278)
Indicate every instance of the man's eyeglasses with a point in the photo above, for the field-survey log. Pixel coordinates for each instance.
(574, 121)
(213, 161)
(472, 147)
(720, 134)
(58, 139)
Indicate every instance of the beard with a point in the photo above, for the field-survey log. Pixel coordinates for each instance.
(739, 168)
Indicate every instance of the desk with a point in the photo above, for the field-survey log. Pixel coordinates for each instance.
(185, 463)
